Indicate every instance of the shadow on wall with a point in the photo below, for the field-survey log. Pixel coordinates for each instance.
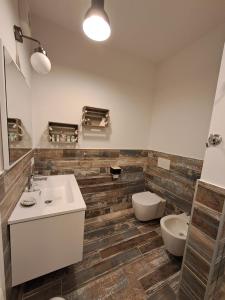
(87, 134)
(96, 134)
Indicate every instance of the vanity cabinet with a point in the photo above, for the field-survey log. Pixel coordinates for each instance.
(44, 245)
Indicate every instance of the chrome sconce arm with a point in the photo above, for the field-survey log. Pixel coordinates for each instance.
(19, 35)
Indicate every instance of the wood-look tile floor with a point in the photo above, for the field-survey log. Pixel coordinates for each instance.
(123, 259)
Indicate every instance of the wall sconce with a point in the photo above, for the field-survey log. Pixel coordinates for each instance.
(39, 59)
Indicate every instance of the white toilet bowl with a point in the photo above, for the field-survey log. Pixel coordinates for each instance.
(174, 230)
(148, 206)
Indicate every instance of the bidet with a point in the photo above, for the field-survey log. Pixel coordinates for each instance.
(174, 230)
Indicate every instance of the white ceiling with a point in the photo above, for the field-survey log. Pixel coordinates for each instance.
(153, 29)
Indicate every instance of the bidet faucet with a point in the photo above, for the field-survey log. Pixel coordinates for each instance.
(187, 216)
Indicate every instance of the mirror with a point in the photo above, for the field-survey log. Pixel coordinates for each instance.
(18, 112)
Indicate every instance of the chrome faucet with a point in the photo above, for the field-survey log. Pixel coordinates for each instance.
(30, 185)
(30, 182)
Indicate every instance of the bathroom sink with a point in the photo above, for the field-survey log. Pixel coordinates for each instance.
(48, 235)
(57, 195)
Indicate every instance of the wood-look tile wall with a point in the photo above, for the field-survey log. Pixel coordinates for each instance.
(139, 172)
(177, 184)
(102, 195)
(12, 184)
(92, 170)
(203, 263)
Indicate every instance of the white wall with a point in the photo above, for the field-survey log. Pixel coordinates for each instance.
(9, 15)
(87, 73)
(183, 97)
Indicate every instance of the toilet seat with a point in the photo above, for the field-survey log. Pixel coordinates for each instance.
(146, 198)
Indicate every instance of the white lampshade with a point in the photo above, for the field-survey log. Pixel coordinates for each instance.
(96, 22)
(40, 62)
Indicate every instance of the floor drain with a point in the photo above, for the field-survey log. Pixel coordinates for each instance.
(48, 201)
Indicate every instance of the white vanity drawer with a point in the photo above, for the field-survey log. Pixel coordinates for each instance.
(44, 245)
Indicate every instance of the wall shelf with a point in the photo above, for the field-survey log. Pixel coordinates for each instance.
(94, 117)
(15, 132)
(62, 133)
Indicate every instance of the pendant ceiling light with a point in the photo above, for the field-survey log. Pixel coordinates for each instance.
(96, 22)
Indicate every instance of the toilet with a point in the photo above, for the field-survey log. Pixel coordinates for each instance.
(174, 230)
(148, 206)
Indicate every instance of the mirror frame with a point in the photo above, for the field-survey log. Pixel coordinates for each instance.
(3, 110)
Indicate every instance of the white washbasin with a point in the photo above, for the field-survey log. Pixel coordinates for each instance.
(57, 195)
(48, 235)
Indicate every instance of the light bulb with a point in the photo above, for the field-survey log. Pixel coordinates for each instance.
(96, 22)
(96, 28)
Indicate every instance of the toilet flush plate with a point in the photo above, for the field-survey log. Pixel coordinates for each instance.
(163, 163)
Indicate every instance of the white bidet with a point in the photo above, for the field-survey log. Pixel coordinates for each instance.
(174, 230)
